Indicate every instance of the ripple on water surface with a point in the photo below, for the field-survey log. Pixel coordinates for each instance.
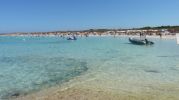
(24, 74)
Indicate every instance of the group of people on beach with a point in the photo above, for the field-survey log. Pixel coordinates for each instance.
(143, 35)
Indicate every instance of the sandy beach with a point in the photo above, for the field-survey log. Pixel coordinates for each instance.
(88, 91)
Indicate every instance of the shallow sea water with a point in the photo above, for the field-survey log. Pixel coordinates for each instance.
(29, 64)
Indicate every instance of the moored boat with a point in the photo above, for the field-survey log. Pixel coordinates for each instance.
(72, 38)
(140, 41)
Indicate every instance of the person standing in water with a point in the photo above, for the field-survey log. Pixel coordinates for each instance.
(160, 35)
(140, 35)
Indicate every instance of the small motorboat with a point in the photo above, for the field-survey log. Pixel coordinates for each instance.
(72, 38)
(140, 41)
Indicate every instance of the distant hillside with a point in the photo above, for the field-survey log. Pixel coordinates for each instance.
(97, 30)
(172, 29)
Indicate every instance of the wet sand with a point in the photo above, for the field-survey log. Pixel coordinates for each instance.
(98, 94)
(95, 86)
(95, 89)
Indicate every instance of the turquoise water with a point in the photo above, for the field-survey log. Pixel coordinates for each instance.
(30, 64)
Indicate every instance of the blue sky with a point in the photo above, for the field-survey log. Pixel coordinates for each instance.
(52, 15)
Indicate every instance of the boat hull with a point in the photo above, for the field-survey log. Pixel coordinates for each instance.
(140, 42)
(72, 38)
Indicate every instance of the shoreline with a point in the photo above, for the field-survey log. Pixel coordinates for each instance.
(115, 36)
(82, 92)
(88, 87)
